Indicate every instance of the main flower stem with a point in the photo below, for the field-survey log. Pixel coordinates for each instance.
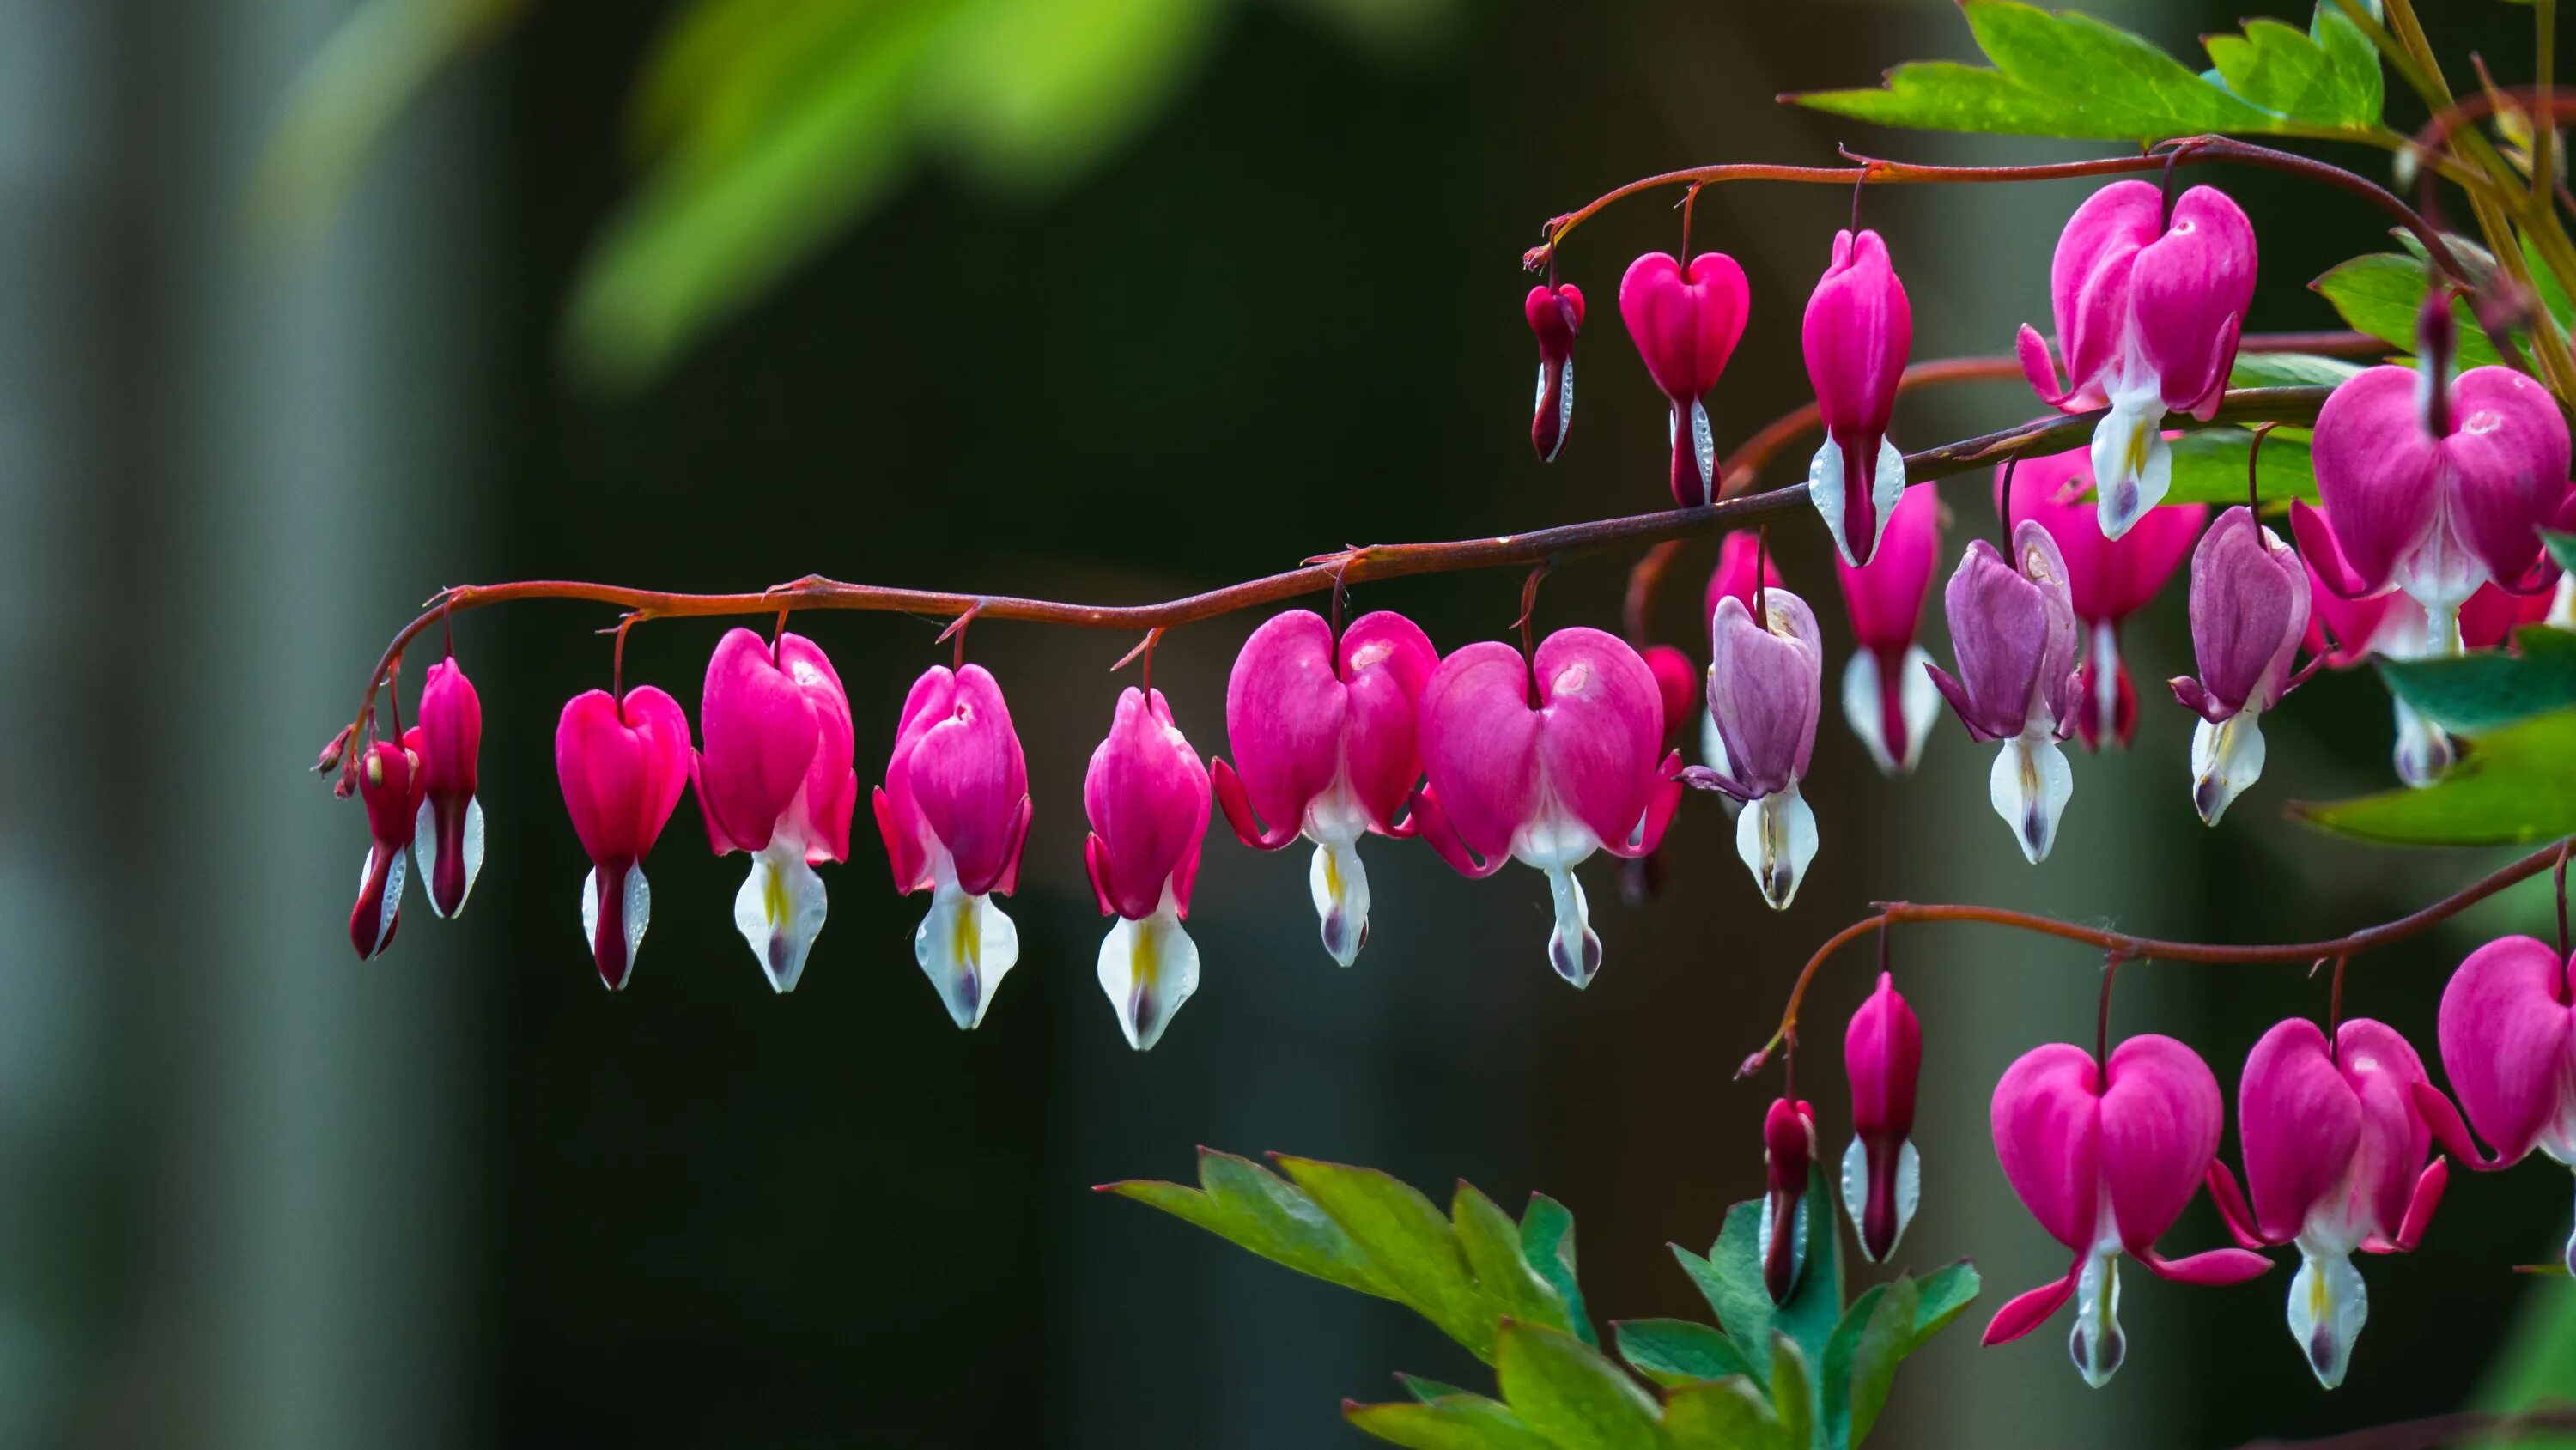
(2123, 947)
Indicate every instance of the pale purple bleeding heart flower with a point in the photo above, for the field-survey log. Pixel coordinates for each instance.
(390, 781)
(1686, 326)
(1146, 796)
(1556, 315)
(2012, 624)
(2249, 612)
(1323, 736)
(2148, 313)
(1765, 690)
(2106, 1157)
(1888, 698)
(622, 765)
(1882, 1171)
(1788, 1152)
(1859, 328)
(774, 778)
(1545, 760)
(2334, 1154)
(954, 814)
(1741, 560)
(447, 834)
(2508, 1035)
(2435, 489)
(2107, 579)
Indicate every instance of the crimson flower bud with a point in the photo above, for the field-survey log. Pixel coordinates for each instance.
(1788, 1151)
(1858, 329)
(1146, 795)
(1882, 1174)
(1556, 315)
(622, 765)
(1686, 325)
(448, 835)
(389, 781)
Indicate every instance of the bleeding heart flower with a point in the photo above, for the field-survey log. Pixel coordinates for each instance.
(2148, 312)
(1739, 556)
(622, 765)
(2508, 1034)
(1146, 795)
(2106, 1158)
(2249, 611)
(1888, 698)
(390, 781)
(774, 778)
(1882, 1172)
(1324, 747)
(954, 812)
(2014, 631)
(1545, 760)
(1765, 690)
(1788, 1151)
(447, 834)
(1686, 327)
(2108, 579)
(1858, 330)
(1556, 315)
(2334, 1151)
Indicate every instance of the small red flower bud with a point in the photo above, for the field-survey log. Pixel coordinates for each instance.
(390, 782)
(1882, 1174)
(1788, 1151)
(1556, 315)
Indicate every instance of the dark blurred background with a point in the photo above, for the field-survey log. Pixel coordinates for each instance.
(259, 1194)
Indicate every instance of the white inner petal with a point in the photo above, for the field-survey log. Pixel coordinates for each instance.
(1148, 969)
(1909, 1191)
(1572, 949)
(780, 909)
(2226, 758)
(2132, 463)
(1712, 753)
(424, 844)
(1776, 839)
(1919, 700)
(2097, 1342)
(2106, 678)
(2029, 787)
(965, 946)
(2422, 751)
(2328, 1305)
(1825, 491)
(637, 910)
(1339, 885)
(1704, 446)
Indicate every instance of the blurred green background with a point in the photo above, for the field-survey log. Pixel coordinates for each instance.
(1102, 299)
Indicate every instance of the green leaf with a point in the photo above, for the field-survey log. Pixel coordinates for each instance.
(1729, 1414)
(1030, 93)
(2562, 548)
(1427, 1390)
(1674, 1352)
(2069, 75)
(1793, 1394)
(1407, 1242)
(1564, 1389)
(1731, 1279)
(1840, 1349)
(2288, 370)
(2380, 294)
(2516, 786)
(1547, 1241)
(1455, 1422)
(2481, 692)
(1945, 1294)
(1885, 1340)
(2537, 1361)
(1492, 1243)
(2209, 467)
(1242, 1202)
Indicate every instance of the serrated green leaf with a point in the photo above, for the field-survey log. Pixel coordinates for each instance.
(1835, 1377)
(1731, 1279)
(2288, 370)
(1793, 1395)
(1428, 1390)
(1885, 1340)
(1674, 1352)
(2067, 74)
(1547, 1241)
(2380, 294)
(1492, 1243)
(1241, 1202)
(1565, 1390)
(1729, 1414)
(1945, 1294)
(2486, 690)
(2553, 294)
(1455, 1422)
(2514, 787)
(1407, 1241)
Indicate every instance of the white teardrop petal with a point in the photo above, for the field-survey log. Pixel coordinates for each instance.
(2422, 752)
(636, 909)
(1919, 700)
(1886, 487)
(1148, 969)
(965, 946)
(1856, 1191)
(2132, 463)
(1564, 407)
(1825, 491)
(1776, 839)
(1704, 446)
(424, 844)
(1572, 949)
(1340, 887)
(780, 910)
(471, 847)
(2097, 1342)
(2029, 787)
(1864, 711)
(2328, 1305)
(2226, 758)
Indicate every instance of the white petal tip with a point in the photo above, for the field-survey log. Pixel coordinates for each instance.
(2029, 787)
(2097, 1343)
(1572, 949)
(1148, 969)
(2328, 1306)
(2226, 760)
(1340, 888)
(780, 910)
(1775, 837)
(965, 946)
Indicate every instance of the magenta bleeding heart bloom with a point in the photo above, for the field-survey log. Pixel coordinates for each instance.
(2108, 579)
(447, 837)
(2012, 623)
(2508, 1035)
(622, 765)
(1882, 1172)
(954, 813)
(1556, 315)
(1545, 783)
(774, 778)
(1323, 737)
(2148, 312)
(1888, 698)
(1146, 795)
(390, 781)
(1686, 326)
(1765, 690)
(2249, 612)
(1858, 330)
(2435, 490)
(2334, 1153)
(2106, 1157)
(1788, 1152)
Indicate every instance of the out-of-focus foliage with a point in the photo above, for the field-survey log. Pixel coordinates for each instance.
(765, 127)
(2538, 1365)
